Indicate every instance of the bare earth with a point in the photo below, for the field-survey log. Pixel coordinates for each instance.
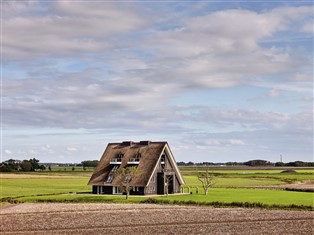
(149, 219)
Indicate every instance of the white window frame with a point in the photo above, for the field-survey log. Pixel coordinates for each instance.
(116, 190)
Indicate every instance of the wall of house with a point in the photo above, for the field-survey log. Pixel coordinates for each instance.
(102, 189)
(176, 187)
(137, 191)
(151, 188)
(153, 184)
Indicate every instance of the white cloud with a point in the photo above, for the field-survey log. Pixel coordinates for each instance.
(273, 93)
(236, 142)
(307, 27)
(222, 49)
(270, 94)
(33, 151)
(8, 152)
(68, 28)
(122, 71)
(71, 149)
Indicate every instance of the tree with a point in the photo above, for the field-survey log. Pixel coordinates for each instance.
(168, 177)
(12, 164)
(125, 175)
(49, 168)
(257, 162)
(26, 165)
(73, 168)
(206, 179)
(88, 163)
(279, 164)
(34, 163)
(42, 167)
(5, 168)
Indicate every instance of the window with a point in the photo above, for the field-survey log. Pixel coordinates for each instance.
(115, 168)
(116, 190)
(127, 179)
(109, 179)
(163, 159)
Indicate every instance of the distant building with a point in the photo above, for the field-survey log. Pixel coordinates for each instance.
(156, 164)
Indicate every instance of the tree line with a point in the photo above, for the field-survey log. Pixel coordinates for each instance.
(25, 165)
(256, 162)
(33, 164)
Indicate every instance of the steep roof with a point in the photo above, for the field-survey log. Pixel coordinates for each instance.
(150, 154)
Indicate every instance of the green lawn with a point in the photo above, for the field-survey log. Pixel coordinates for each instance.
(250, 195)
(224, 195)
(58, 189)
(28, 187)
(221, 181)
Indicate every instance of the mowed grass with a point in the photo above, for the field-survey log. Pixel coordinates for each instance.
(71, 184)
(280, 197)
(269, 197)
(220, 181)
(41, 186)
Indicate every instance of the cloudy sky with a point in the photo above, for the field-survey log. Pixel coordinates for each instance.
(219, 80)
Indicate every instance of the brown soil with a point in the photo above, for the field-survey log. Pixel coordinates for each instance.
(149, 219)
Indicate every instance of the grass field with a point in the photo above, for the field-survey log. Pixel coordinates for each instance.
(41, 186)
(67, 186)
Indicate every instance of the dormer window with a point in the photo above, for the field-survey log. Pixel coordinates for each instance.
(117, 159)
(135, 159)
(109, 179)
(114, 169)
(163, 159)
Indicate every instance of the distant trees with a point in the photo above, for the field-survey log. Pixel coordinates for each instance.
(279, 164)
(252, 163)
(42, 167)
(35, 164)
(300, 164)
(26, 165)
(89, 163)
(257, 163)
(17, 165)
(12, 164)
(196, 163)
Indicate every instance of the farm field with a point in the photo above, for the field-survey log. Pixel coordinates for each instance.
(149, 219)
(239, 185)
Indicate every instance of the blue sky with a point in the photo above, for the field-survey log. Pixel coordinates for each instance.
(219, 80)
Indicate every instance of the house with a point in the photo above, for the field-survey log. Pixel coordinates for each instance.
(156, 164)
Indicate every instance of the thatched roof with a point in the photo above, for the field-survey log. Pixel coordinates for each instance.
(150, 153)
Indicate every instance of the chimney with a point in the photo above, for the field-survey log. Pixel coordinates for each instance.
(145, 142)
(127, 143)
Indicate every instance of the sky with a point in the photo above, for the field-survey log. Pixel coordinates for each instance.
(220, 81)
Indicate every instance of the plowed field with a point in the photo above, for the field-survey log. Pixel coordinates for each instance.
(149, 219)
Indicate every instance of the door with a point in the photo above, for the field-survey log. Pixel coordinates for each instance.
(160, 183)
(170, 184)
